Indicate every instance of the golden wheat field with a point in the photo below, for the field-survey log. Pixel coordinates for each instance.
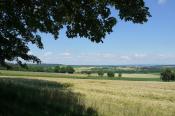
(124, 98)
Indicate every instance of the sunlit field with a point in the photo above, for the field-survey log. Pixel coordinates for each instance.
(130, 77)
(112, 97)
(126, 98)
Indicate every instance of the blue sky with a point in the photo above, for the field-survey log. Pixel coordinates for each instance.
(150, 43)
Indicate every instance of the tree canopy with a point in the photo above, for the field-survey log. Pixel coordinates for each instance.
(21, 21)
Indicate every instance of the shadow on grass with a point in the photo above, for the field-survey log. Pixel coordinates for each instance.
(27, 97)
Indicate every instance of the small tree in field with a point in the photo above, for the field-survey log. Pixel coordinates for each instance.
(110, 74)
(63, 70)
(100, 73)
(70, 69)
(57, 69)
(88, 73)
(173, 76)
(119, 74)
(167, 75)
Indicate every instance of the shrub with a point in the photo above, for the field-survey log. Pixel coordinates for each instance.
(63, 70)
(110, 74)
(70, 69)
(167, 75)
(119, 74)
(57, 69)
(88, 73)
(173, 76)
(100, 73)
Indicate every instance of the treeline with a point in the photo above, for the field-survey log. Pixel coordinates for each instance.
(64, 69)
(101, 73)
(53, 69)
(136, 70)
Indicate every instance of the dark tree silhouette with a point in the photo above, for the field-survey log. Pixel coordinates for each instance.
(110, 74)
(22, 20)
(100, 73)
(70, 69)
(167, 75)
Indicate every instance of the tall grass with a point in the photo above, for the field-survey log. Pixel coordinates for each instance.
(125, 98)
(27, 97)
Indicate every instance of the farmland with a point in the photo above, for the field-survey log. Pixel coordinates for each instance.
(130, 77)
(105, 96)
(87, 58)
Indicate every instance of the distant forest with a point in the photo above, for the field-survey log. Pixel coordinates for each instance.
(59, 68)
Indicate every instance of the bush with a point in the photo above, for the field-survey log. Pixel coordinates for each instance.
(70, 70)
(167, 75)
(57, 69)
(88, 73)
(120, 74)
(173, 77)
(110, 74)
(63, 70)
(100, 73)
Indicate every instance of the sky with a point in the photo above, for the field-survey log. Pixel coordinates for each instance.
(149, 43)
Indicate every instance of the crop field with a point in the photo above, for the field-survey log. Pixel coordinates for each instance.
(126, 98)
(102, 97)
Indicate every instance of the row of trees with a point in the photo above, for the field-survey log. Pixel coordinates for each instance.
(52, 69)
(101, 73)
(64, 69)
(132, 70)
(167, 75)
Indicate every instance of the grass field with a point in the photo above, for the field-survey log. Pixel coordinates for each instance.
(129, 77)
(100, 97)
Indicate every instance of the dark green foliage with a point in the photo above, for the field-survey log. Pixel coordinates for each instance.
(100, 73)
(63, 70)
(167, 75)
(88, 73)
(67, 69)
(57, 69)
(119, 74)
(173, 76)
(110, 74)
(21, 22)
(24, 97)
(70, 69)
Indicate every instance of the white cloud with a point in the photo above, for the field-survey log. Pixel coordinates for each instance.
(136, 55)
(125, 58)
(66, 54)
(162, 1)
(105, 58)
(47, 54)
(30, 53)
